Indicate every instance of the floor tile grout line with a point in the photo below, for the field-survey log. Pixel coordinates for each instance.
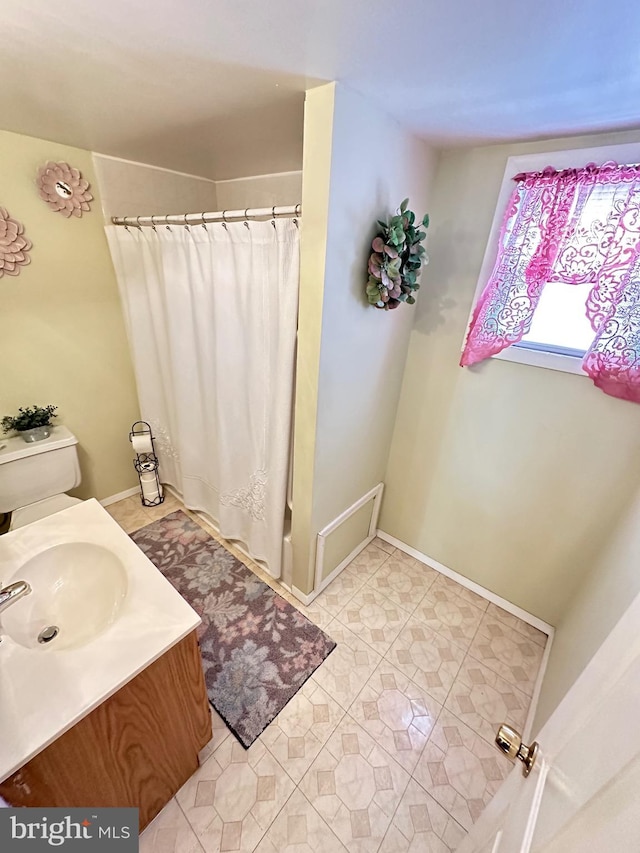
(519, 689)
(410, 774)
(323, 743)
(355, 592)
(329, 587)
(431, 797)
(482, 737)
(467, 652)
(443, 705)
(435, 722)
(189, 824)
(279, 765)
(307, 800)
(444, 636)
(517, 630)
(437, 701)
(425, 746)
(395, 761)
(401, 606)
(488, 667)
(264, 834)
(411, 615)
(368, 644)
(417, 686)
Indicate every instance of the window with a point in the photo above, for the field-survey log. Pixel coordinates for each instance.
(560, 285)
(559, 324)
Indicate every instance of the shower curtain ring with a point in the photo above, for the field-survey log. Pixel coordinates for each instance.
(224, 220)
(245, 223)
(153, 224)
(273, 216)
(138, 223)
(204, 224)
(186, 224)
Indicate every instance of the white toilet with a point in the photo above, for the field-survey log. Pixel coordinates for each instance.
(34, 477)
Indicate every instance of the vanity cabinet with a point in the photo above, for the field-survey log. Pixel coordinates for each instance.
(135, 749)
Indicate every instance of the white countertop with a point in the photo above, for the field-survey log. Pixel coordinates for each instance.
(44, 692)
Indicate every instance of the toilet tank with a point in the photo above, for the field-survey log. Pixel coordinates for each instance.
(39, 470)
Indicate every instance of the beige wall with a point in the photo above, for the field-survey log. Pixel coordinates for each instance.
(514, 476)
(137, 189)
(316, 186)
(260, 191)
(358, 166)
(62, 337)
(604, 595)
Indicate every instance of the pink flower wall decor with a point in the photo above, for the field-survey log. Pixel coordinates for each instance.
(64, 189)
(14, 246)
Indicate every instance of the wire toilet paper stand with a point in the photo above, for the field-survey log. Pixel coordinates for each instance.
(146, 464)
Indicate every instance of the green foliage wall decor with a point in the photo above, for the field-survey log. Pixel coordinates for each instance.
(397, 259)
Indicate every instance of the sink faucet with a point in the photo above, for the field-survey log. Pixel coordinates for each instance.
(13, 592)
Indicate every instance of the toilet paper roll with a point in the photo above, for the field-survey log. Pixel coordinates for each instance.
(150, 490)
(142, 443)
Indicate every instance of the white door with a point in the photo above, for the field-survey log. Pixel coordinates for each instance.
(583, 794)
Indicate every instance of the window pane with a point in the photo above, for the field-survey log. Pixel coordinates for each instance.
(559, 319)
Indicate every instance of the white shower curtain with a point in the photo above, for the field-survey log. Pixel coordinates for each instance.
(211, 317)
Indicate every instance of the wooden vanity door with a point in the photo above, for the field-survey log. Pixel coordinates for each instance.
(136, 749)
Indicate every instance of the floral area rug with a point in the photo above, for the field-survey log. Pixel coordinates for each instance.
(257, 649)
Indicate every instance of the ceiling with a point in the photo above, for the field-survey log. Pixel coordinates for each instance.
(216, 87)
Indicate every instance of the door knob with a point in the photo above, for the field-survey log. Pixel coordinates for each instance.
(510, 742)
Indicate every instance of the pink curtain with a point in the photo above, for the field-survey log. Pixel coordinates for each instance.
(574, 226)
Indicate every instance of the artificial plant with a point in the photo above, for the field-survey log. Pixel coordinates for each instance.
(397, 259)
(29, 418)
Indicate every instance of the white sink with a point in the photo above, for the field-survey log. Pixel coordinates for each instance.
(115, 611)
(77, 590)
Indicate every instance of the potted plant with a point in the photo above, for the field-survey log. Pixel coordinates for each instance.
(32, 423)
(397, 258)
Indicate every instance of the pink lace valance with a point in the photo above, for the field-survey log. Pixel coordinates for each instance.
(609, 173)
(573, 226)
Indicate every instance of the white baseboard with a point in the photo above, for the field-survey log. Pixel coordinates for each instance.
(112, 499)
(302, 596)
(529, 618)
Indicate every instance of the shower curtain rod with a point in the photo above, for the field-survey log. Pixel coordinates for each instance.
(202, 218)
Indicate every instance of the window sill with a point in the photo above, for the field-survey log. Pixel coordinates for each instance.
(536, 358)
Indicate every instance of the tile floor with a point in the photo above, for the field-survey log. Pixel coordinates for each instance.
(389, 745)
